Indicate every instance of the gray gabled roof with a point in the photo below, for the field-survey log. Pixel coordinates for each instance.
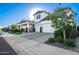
(23, 21)
(40, 11)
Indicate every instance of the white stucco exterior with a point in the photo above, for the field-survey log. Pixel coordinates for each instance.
(45, 24)
(42, 16)
(37, 27)
(27, 26)
(46, 27)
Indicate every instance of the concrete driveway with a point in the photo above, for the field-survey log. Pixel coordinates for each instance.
(25, 44)
(40, 37)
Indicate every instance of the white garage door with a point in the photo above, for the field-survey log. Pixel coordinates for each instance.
(47, 28)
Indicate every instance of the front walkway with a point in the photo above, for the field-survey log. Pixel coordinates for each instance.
(24, 46)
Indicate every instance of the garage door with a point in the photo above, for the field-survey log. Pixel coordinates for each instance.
(47, 28)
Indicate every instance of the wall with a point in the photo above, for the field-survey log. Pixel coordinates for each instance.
(43, 15)
(46, 27)
(37, 27)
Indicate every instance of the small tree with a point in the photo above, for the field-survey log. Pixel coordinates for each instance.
(13, 27)
(60, 19)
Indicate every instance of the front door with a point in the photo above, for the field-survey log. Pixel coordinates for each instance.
(40, 29)
(33, 29)
(26, 29)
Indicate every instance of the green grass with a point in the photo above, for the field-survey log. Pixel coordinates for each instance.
(17, 33)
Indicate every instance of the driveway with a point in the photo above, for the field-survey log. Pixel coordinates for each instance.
(40, 37)
(25, 44)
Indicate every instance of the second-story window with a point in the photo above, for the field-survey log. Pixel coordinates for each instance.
(38, 16)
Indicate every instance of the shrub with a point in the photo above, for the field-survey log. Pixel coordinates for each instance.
(51, 40)
(58, 33)
(73, 34)
(78, 33)
(78, 28)
(68, 29)
(59, 39)
(6, 29)
(69, 42)
(22, 30)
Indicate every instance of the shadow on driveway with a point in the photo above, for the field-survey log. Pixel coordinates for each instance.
(5, 48)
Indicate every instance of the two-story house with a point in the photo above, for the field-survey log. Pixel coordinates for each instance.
(42, 24)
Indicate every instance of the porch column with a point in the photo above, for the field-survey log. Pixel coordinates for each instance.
(28, 27)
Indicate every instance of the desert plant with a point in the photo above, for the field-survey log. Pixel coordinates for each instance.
(70, 42)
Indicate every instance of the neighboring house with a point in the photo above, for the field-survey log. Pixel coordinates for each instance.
(44, 25)
(26, 25)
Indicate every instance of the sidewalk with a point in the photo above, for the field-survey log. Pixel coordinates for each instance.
(5, 48)
(24, 46)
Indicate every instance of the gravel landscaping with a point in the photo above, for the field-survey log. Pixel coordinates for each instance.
(60, 45)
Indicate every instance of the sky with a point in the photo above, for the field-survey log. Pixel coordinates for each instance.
(11, 13)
